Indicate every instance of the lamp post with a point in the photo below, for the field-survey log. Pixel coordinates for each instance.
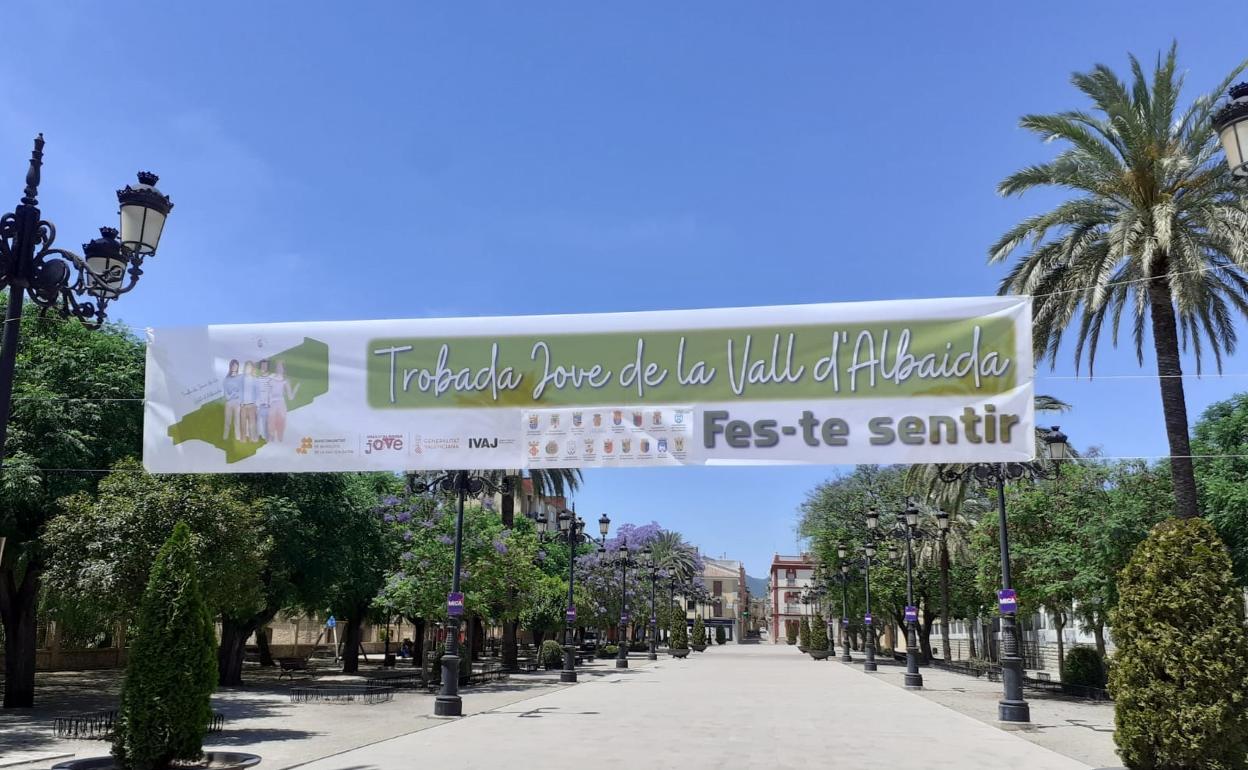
(942, 526)
(842, 552)
(1012, 707)
(650, 562)
(572, 526)
(907, 526)
(461, 483)
(75, 286)
(621, 659)
(1231, 125)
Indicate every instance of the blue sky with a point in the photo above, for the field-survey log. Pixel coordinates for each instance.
(373, 160)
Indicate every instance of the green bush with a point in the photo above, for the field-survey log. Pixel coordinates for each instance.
(609, 651)
(699, 631)
(790, 633)
(679, 638)
(638, 646)
(1182, 654)
(551, 655)
(721, 636)
(803, 635)
(435, 665)
(818, 634)
(165, 699)
(1084, 667)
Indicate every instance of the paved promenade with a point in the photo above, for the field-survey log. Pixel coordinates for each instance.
(732, 707)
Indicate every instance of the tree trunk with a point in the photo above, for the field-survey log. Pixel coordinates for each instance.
(1098, 631)
(262, 641)
(1173, 401)
(970, 636)
(944, 600)
(18, 602)
(511, 652)
(351, 637)
(1059, 623)
(538, 636)
(418, 643)
(234, 635)
(925, 638)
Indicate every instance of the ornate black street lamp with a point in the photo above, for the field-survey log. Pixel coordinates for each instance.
(842, 552)
(57, 279)
(461, 483)
(1012, 707)
(942, 526)
(868, 551)
(1231, 125)
(571, 528)
(650, 562)
(907, 529)
(626, 561)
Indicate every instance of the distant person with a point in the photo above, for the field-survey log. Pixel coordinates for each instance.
(264, 393)
(250, 389)
(280, 391)
(405, 649)
(233, 388)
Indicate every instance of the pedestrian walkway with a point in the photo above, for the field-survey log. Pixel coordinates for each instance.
(733, 707)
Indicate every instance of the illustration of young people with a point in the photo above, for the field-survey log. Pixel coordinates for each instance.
(280, 392)
(264, 392)
(232, 385)
(250, 388)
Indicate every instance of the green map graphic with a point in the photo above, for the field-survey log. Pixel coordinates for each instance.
(307, 364)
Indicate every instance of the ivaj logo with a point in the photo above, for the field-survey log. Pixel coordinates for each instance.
(392, 442)
(483, 443)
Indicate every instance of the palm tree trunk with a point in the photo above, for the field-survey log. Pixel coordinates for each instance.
(944, 601)
(1173, 402)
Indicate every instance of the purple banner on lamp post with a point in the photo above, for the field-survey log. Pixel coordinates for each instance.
(912, 614)
(845, 622)
(1007, 601)
(867, 618)
(623, 618)
(571, 615)
(455, 604)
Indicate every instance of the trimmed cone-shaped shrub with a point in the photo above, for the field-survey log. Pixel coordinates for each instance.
(790, 633)
(818, 634)
(1084, 668)
(679, 638)
(803, 635)
(699, 631)
(551, 655)
(165, 699)
(1182, 654)
(721, 635)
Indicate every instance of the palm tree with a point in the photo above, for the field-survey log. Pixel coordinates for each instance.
(1158, 229)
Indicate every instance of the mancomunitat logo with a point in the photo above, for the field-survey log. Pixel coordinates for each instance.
(305, 445)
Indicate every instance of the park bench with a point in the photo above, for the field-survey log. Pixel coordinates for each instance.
(288, 666)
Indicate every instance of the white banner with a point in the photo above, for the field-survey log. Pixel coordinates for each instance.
(914, 381)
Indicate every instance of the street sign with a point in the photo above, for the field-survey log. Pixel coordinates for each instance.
(912, 614)
(1007, 601)
(455, 604)
(571, 615)
(331, 622)
(867, 618)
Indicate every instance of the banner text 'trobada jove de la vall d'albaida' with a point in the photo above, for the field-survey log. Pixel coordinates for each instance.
(915, 381)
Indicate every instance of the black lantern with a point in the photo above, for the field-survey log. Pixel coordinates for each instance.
(1231, 125)
(143, 213)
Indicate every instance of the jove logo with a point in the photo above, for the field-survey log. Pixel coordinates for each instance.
(483, 443)
(387, 442)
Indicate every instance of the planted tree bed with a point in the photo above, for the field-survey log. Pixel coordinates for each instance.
(368, 694)
(98, 725)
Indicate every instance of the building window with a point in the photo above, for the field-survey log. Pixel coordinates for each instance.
(717, 588)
